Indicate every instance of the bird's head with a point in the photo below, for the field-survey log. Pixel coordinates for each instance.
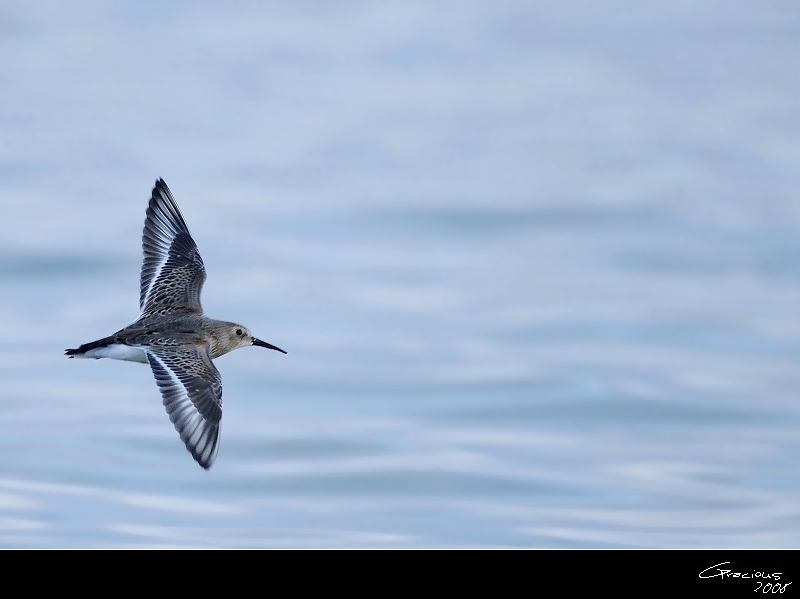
(233, 336)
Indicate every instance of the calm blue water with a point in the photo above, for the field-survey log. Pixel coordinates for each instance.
(537, 269)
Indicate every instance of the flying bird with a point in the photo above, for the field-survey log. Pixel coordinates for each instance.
(172, 334)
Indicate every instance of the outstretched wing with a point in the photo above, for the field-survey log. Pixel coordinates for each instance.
(172, 272)
(191, 388)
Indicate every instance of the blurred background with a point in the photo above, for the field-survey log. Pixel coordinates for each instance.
(536, 265)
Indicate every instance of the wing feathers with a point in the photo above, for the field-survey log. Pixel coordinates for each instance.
(172, 271)
(191, 388)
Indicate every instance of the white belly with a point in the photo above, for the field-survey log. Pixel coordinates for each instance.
(117, 352)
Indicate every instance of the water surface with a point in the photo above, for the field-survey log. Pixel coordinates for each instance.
(536, 267)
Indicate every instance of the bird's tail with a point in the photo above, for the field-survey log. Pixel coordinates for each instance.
(79, 352)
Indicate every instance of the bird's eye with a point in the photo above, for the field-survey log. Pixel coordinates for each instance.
(239, 332)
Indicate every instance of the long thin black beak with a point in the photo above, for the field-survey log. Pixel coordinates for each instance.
(260, 343)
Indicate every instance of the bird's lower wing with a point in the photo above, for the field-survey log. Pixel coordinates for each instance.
(191, 387)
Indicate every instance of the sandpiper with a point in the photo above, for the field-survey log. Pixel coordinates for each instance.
(172, 334)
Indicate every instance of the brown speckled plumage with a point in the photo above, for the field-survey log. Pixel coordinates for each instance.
(172, 334)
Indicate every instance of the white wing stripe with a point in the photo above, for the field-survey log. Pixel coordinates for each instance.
(162, 241)
(153, 280)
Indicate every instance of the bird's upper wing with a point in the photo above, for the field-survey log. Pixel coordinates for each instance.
(191, 388)
(172, 272)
